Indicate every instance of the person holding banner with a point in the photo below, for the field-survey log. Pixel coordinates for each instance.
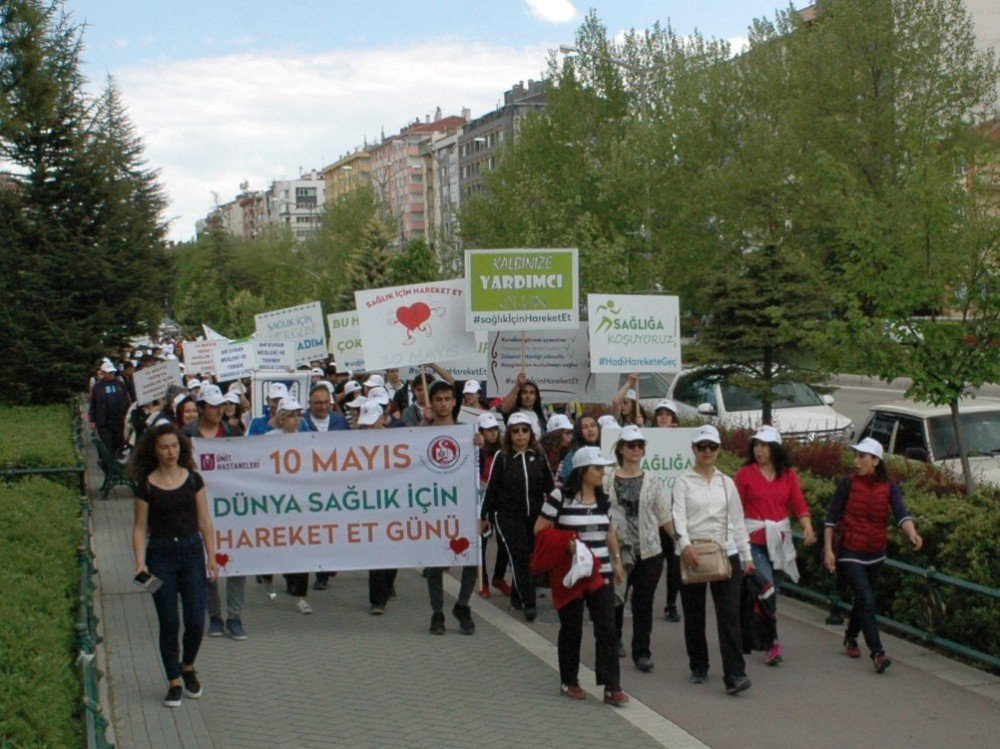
(641, 510)
(526, 398)
(173, 539)
(584, 508)
(625, 406)
(706, 505)
(770, 491)
(519, 482)
(443, 403)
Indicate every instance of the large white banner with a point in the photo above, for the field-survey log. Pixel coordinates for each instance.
(634, 333)
(414, 324)
(151, 383)
(199, 356)
(366, 499)
(558, 361)
(302, 325)
(345, 341)
(668, 451)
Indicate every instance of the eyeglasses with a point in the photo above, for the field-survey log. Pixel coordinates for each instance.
(706, 447)
(635, 444)
(519, 430)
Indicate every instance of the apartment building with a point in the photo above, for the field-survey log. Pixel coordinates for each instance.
(347, 174)
(296, 204)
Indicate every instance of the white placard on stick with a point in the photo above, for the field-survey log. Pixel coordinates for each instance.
(302, 324)
(345, 340)
(235, 360)
(558, 361)
(414, 324)
(151, 383)
(277, 356)
(634, 333)
(199, 356)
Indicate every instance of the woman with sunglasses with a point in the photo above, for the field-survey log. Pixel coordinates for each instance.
(519, 482)
(639, 508)
(770, 491)
(707, 506)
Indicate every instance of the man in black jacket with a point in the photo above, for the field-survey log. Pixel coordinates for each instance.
(109, 402)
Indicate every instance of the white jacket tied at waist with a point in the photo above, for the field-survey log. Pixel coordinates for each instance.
(780, 547)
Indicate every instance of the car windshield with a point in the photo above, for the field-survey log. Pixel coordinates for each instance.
(789, 395)
(980, 429)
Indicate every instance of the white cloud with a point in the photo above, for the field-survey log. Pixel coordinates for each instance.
(211, 123)
(552, 11)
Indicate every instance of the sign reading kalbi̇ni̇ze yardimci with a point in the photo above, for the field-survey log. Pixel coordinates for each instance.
(529, 289)
(366, 499)
(302, 324)
(634, 333)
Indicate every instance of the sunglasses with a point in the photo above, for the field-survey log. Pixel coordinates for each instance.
(706, 447)
(636, 444)
(519, 429)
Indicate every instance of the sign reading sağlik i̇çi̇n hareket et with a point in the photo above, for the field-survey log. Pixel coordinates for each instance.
(634, 333)
(528, 289)
(345, 340)
(414, 324)
(366, 499)
(302, 324)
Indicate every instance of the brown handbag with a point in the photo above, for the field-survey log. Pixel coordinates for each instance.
(713, 563)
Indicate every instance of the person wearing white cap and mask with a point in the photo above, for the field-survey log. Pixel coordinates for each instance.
(861, 506)
(264, 424)
(769, 490)
(583, 506)
(519, 482)
(706, 505)
(640, 508)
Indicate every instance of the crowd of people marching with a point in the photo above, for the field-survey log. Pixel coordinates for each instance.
(599, 532)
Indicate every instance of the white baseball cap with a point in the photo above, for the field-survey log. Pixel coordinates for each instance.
(236, 387)
(471, 386)
(277, 390)
(289, 404)
(232, 397)
(351, 386)
(590, 456)
(518, 417)
(870, 446)
(375, 381)
(558, 421)
(370, 413)
(178, 399)
(667, 404)
(211, 395)
(630, 395)
(706, 433)
(357, 402)
(108, 367)
(317, 372)
(631, 433)
(487, 421)
(607, 421)
(379, 394)
(767, 434)
(195, 383)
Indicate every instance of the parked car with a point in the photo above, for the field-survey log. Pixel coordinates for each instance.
(923, 432)
(800, 412)
(653, 388)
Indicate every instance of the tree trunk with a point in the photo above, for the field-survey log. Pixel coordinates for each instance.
(765, 400)
(963, 454)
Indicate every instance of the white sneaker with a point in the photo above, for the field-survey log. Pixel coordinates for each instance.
(304, 607)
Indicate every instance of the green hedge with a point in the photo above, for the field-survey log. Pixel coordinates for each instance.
(39, 533)
(961, 537)
(37, 437)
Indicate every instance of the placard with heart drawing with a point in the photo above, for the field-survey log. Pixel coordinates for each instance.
(415, 324)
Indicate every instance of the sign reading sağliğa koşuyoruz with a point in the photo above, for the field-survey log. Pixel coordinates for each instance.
(634, 333)
(529, 289)
(367, 499)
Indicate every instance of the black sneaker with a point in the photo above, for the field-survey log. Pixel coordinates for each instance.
(881, 662)
(437, 623)
(464, 615)
(698, 677)
(173, 698)
(530, 613)
(192, 687)
(671, 615)
(737, 684)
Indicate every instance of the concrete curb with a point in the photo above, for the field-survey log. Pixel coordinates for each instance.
(900, 384)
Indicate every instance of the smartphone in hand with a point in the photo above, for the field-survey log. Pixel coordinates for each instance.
(148, 582)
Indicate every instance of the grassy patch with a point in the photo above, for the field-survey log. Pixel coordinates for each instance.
(36, 437)
(39, 532)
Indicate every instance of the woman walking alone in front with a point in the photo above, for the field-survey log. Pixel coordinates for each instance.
(707, 506)
(584, 508)
(861, 506)
(174, 540)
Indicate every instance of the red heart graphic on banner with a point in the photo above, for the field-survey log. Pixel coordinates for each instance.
(413, 316)
(459, 545)
(222, 559)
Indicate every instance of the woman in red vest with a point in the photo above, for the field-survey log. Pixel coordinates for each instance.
(861, 506)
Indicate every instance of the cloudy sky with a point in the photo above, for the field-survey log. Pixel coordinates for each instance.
(228, 91)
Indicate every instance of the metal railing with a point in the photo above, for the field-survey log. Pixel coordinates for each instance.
(936, 608)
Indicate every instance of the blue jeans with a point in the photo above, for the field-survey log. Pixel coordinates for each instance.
(180, 564)
(762, 562)
(863, 579)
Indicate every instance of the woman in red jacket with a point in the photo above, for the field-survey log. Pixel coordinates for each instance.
(770, 491)
(861, 505)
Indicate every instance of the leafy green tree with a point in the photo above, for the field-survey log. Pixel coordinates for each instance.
(415, 264)
(371, 267)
